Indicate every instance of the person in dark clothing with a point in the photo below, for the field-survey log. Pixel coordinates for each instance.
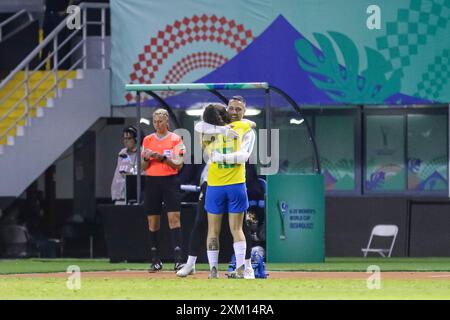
(55, 13)
(190, 175)
(255, 191)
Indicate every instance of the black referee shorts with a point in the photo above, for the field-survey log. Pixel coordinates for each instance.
(159, 190)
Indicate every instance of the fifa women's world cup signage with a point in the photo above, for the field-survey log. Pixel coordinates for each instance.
(295, 218)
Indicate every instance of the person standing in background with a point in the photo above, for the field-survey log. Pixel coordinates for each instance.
(55, 12)
(126, 164)
(162, 158)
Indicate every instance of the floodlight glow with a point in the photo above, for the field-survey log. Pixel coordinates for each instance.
(252, 112)
(197, 112)
(145, 121)
(295, 121)
(194, 112)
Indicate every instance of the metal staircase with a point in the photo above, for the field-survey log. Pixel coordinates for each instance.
(28, 101)
(36, 104)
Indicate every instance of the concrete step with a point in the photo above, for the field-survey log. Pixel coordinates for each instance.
(79, 74)
(10, 140)
(39, 75)
(6, 123)
(11, 133)
(20, 131)
(43, 89)
(40, 112)
(18, 112)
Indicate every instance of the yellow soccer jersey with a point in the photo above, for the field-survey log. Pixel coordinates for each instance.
(222, 174)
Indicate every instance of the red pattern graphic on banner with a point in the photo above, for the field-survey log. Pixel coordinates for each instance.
(188, 30)
(192, 62)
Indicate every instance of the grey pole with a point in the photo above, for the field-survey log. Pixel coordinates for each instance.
(138, 155)
(268, 124)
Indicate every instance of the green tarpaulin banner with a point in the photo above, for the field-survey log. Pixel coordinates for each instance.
(295, 218)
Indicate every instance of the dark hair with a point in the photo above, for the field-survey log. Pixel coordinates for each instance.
(133, 131)
(238, 98)
(216, 114)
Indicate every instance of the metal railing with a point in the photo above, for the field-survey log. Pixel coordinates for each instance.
(12, 19)
(52, 45)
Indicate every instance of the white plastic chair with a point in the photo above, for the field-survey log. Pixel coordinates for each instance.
(382, 230)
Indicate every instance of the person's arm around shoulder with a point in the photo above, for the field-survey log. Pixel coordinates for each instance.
(240, 156)
(251, 123)
(210, 129)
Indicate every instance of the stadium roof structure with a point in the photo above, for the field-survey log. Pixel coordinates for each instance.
(196, 86)
(216, 90)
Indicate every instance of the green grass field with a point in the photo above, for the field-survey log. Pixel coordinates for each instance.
(223, 289)
(331, 264)
(119, 288)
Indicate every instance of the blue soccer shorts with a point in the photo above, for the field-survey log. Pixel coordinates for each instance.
(226, 199)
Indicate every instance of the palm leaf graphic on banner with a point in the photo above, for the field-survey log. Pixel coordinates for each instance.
(436, 165)
(344, 83)
(338, 169)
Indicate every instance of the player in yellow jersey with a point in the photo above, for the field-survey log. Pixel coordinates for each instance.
(216, 120)
(226, 191)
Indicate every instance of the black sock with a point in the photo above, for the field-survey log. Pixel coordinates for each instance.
(248, 239)
(153, 245)
(197, 239)
(199, 231)
(176, 242)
